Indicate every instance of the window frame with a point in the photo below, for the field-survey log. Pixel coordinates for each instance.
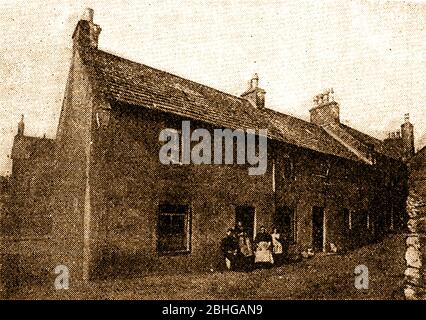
(347, 219)
(288, 169)
(187, 229)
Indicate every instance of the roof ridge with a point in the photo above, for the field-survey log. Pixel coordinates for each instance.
(293, 117)
(241, 99)
(341, 135)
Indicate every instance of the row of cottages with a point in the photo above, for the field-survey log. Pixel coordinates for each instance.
(117, 208)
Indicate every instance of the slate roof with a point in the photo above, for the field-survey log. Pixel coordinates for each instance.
(388, 150)
(140, 85)
(25, 147)
(305, 134)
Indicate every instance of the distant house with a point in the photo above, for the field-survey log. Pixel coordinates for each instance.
(4, 195)
(30, 183)
(116, 205)
(26, 222)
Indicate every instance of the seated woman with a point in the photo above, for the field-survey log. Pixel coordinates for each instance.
(263, 254)
(229, 246)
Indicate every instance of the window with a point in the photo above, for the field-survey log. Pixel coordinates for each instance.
(325, 169)
(368, 221)
(364, 223)
(173, 229)
(322, 169)
(284, 167)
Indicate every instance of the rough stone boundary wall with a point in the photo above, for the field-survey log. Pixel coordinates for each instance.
(415, 287)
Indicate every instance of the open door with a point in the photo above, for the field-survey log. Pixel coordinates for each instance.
(284, 221)
(245, 214)
(317, 228)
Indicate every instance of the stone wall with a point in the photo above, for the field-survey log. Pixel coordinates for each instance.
(415, 254)
(415, 286)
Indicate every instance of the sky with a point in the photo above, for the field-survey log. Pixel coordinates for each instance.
(371, 52)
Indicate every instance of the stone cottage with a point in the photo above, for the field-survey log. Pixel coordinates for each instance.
(116, 205)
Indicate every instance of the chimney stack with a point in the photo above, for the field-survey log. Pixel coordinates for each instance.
(86, 33)
(326, 110)
(254, 94)
(407, 135)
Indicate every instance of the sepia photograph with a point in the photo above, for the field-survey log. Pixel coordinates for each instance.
(227, 151)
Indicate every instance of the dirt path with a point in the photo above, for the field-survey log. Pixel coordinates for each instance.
(321, 277)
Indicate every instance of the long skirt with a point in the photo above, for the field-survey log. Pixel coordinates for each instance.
(230, 261)
(277, 247)
(263, 253)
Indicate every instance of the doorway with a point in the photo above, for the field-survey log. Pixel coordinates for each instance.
(317, 228)
(245, 214)
(284, 221)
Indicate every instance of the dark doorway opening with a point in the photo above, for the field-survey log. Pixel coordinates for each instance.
(317, 228)
(245, 214)
(284, 221)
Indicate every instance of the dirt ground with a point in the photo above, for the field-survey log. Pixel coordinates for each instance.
(320, 277)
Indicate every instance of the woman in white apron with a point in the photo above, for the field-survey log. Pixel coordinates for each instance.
(277, 247)
(263, 254)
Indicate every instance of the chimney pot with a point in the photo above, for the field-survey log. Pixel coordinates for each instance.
(331, 95)
(407, 135)
(88, 14)
(87, 34)
(255, 94)
(255, 81)
(21, 126)
(407, 117)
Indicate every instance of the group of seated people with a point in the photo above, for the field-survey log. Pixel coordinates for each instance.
(241, 254)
